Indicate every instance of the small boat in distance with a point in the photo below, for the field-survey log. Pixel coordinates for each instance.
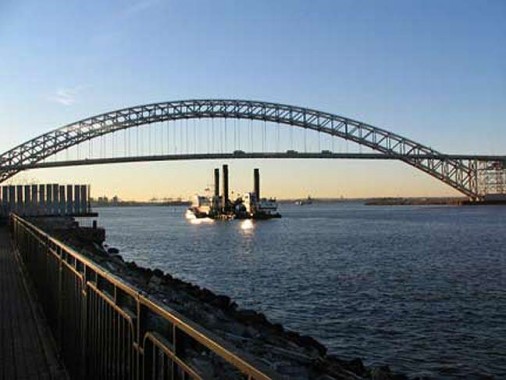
(303, 202)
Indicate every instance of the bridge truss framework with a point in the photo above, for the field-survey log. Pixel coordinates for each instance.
(477, 177)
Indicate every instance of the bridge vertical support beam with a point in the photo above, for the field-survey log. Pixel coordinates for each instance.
(472, 178)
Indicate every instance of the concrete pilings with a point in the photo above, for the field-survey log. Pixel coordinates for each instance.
(45, 199)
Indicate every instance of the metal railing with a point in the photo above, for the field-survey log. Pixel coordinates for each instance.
(108, 329)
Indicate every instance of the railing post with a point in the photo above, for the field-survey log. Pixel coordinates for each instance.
(84, 323)
(60, 295)
(138, 336)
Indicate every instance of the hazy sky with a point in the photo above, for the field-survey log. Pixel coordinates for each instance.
(433, 71)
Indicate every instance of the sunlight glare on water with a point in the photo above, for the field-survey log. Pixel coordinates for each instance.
(247, 225)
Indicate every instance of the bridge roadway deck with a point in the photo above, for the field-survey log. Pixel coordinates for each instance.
(26, 349)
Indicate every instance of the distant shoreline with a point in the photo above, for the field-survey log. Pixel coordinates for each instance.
(139, 204)
(415, 201)
(381, 201)
(389, 201)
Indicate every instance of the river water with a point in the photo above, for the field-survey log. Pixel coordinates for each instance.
(420, 288)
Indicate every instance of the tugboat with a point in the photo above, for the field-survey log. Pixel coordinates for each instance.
(221, 207)
(260, 209)
(200, 206)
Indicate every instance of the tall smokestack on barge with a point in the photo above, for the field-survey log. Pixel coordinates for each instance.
(217, 182)
(256, 179)
(247, 206)
(225, 186)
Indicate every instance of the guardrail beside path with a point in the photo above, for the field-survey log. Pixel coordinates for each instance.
(108, 329)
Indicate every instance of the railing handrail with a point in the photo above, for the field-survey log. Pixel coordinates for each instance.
(242, 361)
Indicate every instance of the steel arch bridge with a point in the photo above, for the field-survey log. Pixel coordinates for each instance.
(460, 172)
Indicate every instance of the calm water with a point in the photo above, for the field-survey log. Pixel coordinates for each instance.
(422, 289)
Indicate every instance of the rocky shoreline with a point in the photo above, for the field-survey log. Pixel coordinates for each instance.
(290, 354)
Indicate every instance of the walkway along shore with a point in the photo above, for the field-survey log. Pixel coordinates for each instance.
(27, 350)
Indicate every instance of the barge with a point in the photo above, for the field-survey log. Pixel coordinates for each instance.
(249, 206)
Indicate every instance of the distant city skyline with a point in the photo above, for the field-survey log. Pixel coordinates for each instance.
(432, 71)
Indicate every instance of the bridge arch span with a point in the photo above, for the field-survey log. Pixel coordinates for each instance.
(459, 174)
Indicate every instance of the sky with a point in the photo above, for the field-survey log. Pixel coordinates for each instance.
(433, 71)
